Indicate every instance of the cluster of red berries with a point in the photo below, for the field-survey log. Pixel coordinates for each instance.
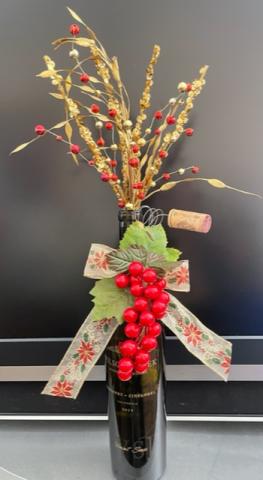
(141, 325)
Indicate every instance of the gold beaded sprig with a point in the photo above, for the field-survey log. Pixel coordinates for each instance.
(126, 156)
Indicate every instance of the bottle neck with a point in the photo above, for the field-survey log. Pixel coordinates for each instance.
(126, 218)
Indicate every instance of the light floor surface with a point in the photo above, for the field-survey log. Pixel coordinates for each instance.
(79, 451)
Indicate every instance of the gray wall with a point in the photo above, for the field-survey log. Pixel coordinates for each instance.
(50, 211)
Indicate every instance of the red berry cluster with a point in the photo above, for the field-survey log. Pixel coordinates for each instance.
(141, 325)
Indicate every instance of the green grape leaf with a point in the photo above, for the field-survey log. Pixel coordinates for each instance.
(172, 254)
(109, 300)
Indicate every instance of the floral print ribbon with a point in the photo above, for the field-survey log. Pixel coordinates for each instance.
(93, 336)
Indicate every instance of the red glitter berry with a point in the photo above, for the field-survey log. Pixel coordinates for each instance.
(84, 78)
(140, 304)
(124, 376)
(135, 148)
(91, 163)
(146, 318)
(158, 115)
(114, 177)
(134, 162)
(148, 343)
(155, 330)
(188, 87)
(113, 163)
(135, 268)
(130, 315)
(100, 142)
(105, 177)
(112, 112)
(108, 125)
(125, 364)
(95, 108)
(141, 195)
(195, 169)
(157, 131)
(189, 132)
(121, 280)
(149, 275)
(59, 138)
(170, 120)
(121, 203)
(40, 129)
(74, 29)
(163, 154)
(75, 149)
(128, 348)
(166, 176)
(137, 186)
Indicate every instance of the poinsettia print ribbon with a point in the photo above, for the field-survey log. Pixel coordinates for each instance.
(93, 336)
(81, 356)
(213, 350)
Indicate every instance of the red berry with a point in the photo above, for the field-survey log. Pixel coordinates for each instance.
(151, 292)
(75, 149)
(164, 297)
(95, 108)
(136, 268)
(59, 138)
(158, 309)
(188, 87)
(40, 129)
(114, 177)
(149, 275)
(155, 330)
(137, 186)
(112, 112)
(158, 115)
(146, 318)
(161, 283)
(100, 142)
(170, 120)
(195, 169)
(148, 343)
(105, 177)
(128, 348)
(124, 376)
(108, 125)
(163, 154)
(140, 304)
(137, 290)
(189, 132)
(130, 315)
(140, 195)
(84, 78)
(141, 367)
(135, 280)
(91, 162)
(166, 176)
(142, 357)
(135, 148)
(121, 203)
(125, 365)
(132, 330)
(157, 131)
(122, 280)
(113, 163)
(74, 29)
(134, 162)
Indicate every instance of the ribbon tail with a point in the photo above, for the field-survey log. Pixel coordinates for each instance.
(211, 349)
(81, 356)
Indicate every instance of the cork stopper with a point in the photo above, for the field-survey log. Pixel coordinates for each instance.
(194, 221)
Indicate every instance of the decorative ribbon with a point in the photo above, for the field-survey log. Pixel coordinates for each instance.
(93, 336)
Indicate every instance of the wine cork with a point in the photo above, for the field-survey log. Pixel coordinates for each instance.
(194, 221)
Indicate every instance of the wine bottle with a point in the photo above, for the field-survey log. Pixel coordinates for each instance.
(136, 408)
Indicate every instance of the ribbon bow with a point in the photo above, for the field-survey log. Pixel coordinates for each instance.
(93, 336)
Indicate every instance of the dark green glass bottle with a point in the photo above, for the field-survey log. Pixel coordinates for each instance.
(137, 416)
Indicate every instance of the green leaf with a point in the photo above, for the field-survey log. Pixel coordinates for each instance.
(119, 260)
(109, 300)
(152, 239)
